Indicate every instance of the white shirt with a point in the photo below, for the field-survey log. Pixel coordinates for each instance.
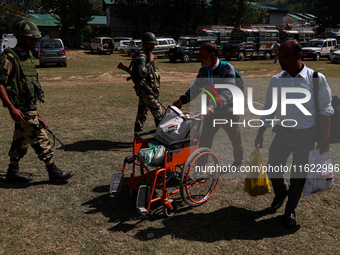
(303, 80)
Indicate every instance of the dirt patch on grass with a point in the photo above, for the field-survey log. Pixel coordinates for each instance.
(110, 78)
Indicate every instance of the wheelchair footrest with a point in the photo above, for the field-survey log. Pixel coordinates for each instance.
(116, 184)
(143, 197)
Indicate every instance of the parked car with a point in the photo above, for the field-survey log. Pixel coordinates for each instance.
(51, 50)
(7, 41)
(134, 45)
(162, 46)
(102, 44)
(116, 41)
(317, 48)
(123, 46)
(35, 52)
(334, 56)
(188, 48)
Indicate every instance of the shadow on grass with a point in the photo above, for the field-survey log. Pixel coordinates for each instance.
(96, 145)
(118, 209)
(122, 209)
(5, 185)
(224, 224)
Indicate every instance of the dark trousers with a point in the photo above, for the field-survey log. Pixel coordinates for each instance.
(233, 132)
(299, 143)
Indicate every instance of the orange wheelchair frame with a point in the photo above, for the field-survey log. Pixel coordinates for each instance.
(195, 188)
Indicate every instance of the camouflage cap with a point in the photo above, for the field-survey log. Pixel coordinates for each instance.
(27, 28)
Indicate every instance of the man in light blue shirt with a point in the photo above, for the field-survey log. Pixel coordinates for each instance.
(296, 130)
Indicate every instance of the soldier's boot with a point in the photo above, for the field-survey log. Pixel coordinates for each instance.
(14, 176)
(56, 175)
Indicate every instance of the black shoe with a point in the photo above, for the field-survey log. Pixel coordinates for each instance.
(278, 201)
(289, 220)
(237, 164)
(56, 175)
(14, 176)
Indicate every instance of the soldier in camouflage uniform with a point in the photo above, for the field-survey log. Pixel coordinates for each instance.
(20, 91)
(144, 69)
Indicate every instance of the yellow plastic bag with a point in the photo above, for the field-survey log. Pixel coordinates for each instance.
(256, 182)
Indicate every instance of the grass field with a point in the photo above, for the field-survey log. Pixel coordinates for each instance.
(91, 108)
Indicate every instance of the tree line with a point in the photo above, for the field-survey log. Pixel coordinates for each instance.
(166, 15)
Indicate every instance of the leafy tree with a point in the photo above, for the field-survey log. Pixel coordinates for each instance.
(161, 16)
(327, 12)
(71, 14)
(176, 17)
(8, 19)
(236, 12)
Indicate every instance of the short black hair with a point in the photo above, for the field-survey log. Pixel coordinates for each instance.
(210, 47)
(296, 46)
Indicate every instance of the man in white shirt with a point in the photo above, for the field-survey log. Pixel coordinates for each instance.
(298, 140)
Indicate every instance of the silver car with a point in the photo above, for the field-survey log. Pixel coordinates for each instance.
(134, 46)
(334, 56)
(52, 50)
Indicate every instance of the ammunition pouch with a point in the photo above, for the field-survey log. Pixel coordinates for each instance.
(24, 89)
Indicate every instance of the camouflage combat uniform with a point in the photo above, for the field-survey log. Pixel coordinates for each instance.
(20, 79)
(143, 69)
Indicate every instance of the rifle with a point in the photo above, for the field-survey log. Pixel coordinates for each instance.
(46, 127)
(123, 67)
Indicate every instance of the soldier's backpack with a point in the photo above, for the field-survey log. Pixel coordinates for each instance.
(239, 81)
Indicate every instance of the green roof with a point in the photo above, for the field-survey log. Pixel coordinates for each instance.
(44, 20)
(304, 16)
(269, 6)
(98, 20)
(48, 20)
(109, 1)
(295, 17)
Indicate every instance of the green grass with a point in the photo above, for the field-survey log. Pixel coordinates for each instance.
(94, 117)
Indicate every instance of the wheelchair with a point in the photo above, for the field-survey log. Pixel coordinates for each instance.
(195, 168)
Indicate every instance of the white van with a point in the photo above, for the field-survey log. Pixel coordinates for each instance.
(102, 44)
(317, 48)
(7, 41)
(162, 47)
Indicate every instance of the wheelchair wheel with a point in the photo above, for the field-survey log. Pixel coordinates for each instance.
(199, 177)
(169, 213)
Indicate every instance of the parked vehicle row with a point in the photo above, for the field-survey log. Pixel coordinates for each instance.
(243, 43)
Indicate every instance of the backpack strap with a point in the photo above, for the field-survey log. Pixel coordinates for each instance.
(239, 81)
(316, 90)
(316, 103)
(222, 66)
